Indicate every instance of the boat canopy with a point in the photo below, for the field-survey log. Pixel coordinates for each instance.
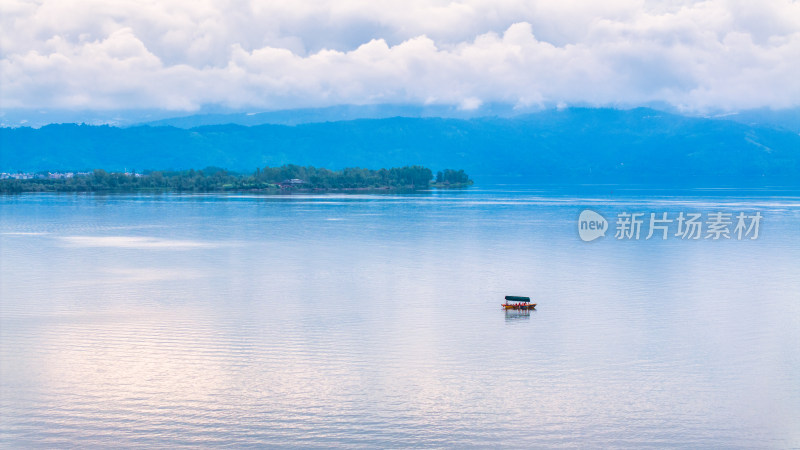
(514, 298)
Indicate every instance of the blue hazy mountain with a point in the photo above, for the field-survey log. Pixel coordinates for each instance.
(337, 113)
(577, 145)
(36, 118)
(784, 119)
(215, 115)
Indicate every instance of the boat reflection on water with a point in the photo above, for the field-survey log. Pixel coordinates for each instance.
(516, 314)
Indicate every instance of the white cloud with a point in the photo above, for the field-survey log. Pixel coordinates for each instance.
(92, 54)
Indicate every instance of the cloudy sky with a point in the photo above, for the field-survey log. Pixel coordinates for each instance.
(185, 54)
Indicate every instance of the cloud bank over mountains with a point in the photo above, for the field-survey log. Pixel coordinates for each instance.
(182, 55)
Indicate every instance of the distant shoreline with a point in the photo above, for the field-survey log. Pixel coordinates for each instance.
(265, 191)
(269, 180)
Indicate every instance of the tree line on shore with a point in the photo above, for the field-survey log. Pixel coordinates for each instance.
(215, 179)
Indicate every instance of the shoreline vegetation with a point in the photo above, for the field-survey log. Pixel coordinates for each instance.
(285, 179)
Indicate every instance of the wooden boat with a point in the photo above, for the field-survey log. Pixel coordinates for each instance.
(522, 303)
(519, 305)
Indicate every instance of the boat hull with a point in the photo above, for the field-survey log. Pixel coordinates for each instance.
(520, 306)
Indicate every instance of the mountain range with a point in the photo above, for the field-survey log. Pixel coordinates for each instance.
(571, 145)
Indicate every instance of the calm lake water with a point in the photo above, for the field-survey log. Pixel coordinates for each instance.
(375, 320)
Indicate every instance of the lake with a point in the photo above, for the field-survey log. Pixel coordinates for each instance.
(375, 321)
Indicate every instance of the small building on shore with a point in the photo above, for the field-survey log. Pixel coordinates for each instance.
(292, 182)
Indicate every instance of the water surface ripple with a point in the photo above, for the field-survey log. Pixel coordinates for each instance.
(374, 321)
